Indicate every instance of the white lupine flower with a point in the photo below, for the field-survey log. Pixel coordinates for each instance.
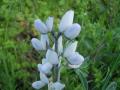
(45, 68)
(44, 78)
(40, 26)
(52, 57)
(57, 86)
(75, 58)
(73, 31)
(44, 41)
(49, 23)
(38, 84)
(66, 21)
(71, 47)
(37, 44)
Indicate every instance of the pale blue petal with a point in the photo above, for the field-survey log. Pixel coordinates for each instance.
(75, 58)
(45, 68)
(40, 26)
(44, 78)
(49, 23)
(73, 31)
(71, 47)
(36, 44)
(66, 21)
(44, 41)
(52, 56)
(38, 84)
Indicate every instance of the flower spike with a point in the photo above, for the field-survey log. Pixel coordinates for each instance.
(50, 68)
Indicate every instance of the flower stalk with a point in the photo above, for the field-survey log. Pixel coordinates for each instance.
(56, 76)
(55, 69)
(51, 64)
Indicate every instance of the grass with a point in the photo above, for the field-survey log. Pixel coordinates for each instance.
(99, 43)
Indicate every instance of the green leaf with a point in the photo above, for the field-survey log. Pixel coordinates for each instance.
(81, 75)
(106, 79)
(112, 86)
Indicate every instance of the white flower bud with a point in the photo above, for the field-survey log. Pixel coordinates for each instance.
(38, 84)
(49, 23)
(73, 31)
(66, 20)
(45, 68)
(40, 26)
(52, 56)
(71, 47)
(57, 86)
(44, 41)
(37, 44)
(75, 58)
(44, 78)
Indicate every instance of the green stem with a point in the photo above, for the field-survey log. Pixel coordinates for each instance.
(58, 77)
(56, 67)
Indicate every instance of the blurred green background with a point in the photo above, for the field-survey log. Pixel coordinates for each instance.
(99, 43)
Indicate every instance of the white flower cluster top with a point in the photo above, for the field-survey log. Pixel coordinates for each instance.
(69, 30)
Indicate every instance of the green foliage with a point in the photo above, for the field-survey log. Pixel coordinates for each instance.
(112, 86)
(99, 42)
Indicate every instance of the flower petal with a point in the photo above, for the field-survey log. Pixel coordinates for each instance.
(40, 26)
(45, 68)
(52, 56)
(58, 86)
(75, 58)
(70, 48)
(36, 44)
(73, 31)
(44, 40)
(66, 20)
(49, 23)
(38, 84)
(44, 78)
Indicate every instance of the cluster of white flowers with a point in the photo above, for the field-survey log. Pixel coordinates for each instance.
(52, 60)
